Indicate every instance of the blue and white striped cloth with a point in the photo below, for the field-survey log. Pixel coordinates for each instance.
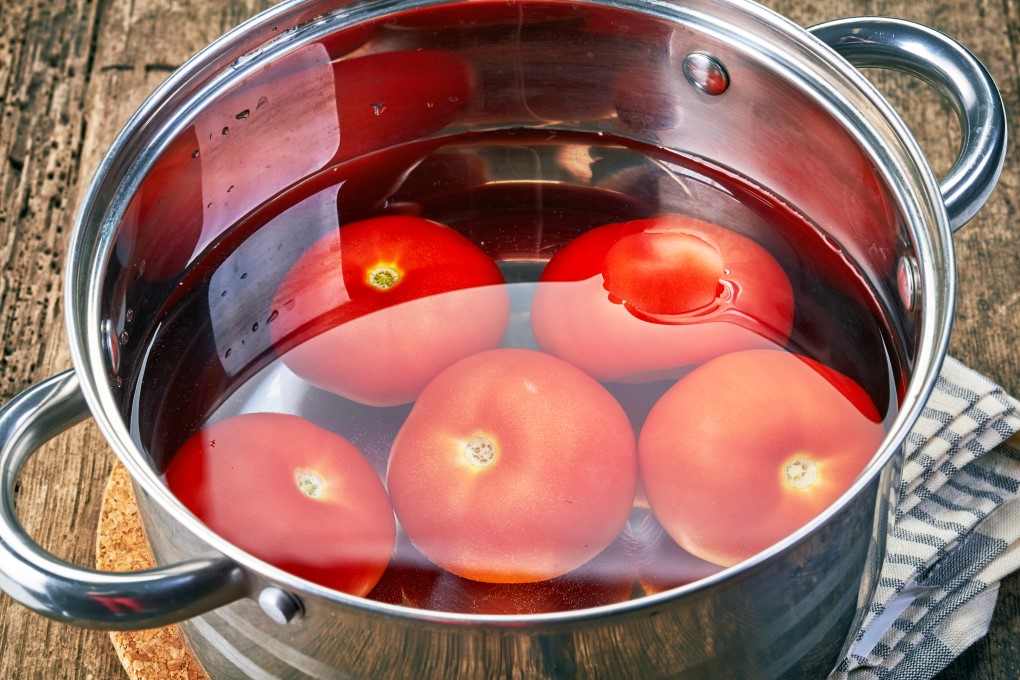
(956, 535)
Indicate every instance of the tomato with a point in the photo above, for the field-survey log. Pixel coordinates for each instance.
(513, 467)
(639, 301)
(749, 447)
(290, 493)
(373, 311)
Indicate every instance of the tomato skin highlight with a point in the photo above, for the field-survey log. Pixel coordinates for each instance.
(723, 451)
(554, 489)
(377, 309)
(576, 316)
(663, 273)
(290, 493)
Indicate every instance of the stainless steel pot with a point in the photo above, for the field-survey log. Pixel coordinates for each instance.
(729, 81)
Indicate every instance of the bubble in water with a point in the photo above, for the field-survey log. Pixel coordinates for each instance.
(123, 337)
(129, 315)
(378, 108)
(243, 114)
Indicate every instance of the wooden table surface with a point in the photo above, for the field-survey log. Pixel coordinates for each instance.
(71, 73)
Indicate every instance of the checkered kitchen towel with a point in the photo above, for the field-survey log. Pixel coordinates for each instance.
(957, 533)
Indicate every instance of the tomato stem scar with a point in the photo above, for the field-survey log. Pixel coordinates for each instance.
(383, 277)
(480, 451)
(310, 483)
(800, 473)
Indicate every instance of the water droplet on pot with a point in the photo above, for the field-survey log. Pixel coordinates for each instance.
(430, 103)
(453, 99)
(272, 316)
(123, 337)
(262, 101)
(230, 188)
(224, 131)
(378, 108)
(129, 315)
(194, 154)
(244, 276)
(226, 354)
(243, 114)
(255, 327)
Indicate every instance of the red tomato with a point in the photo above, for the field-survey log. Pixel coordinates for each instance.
(638, 301)
(290, 493)
(749, 447)
(373, 311)
(513, 467)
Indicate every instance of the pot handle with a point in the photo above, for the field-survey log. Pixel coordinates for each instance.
(77, 595)
(946, 65)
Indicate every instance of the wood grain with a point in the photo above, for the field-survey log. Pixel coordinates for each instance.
(161, 653)
(73, 71)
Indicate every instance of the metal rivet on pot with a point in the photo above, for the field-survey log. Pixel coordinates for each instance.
(111, 344)
(706, 73)
(907, 281)
(279, 605)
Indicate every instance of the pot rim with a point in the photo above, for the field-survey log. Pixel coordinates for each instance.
(843, 91)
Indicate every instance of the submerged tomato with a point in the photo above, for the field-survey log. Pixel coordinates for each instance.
(513, 467)
(290, 493)
(638, 301)
(749, 447)
(373, 311)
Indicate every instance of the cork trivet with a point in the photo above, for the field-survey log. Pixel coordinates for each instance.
(155, 654)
